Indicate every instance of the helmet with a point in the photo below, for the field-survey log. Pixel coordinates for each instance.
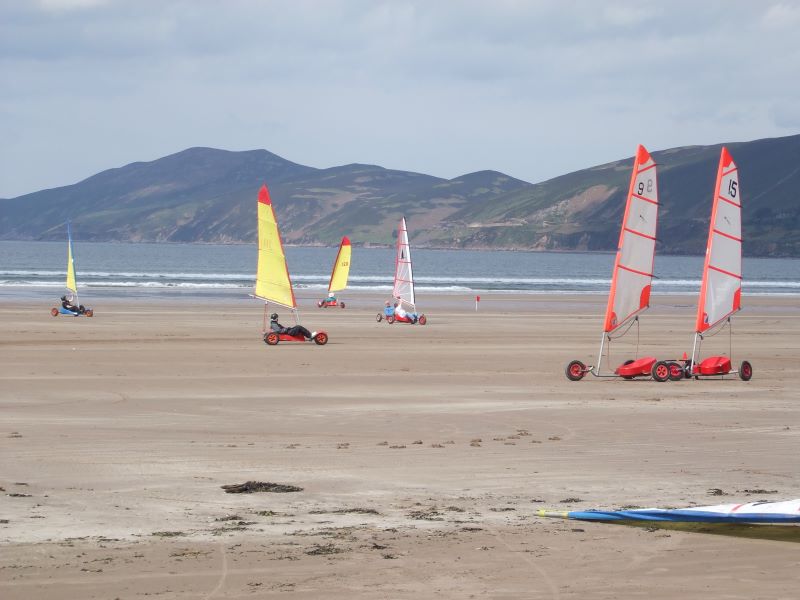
(273, 317)
(387, 303)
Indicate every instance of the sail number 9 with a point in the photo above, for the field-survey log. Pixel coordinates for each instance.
(640, 189)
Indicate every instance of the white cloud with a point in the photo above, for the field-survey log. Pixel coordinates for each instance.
(535, 89)
(782, 16)
(57, 6)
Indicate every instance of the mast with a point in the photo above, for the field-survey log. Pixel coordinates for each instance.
(403, 273)
(341, 267)
(633, 266)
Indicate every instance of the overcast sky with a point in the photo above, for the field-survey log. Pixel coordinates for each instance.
(535, 89)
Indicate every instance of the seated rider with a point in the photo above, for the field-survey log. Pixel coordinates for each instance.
(388, 309)
(66, 303)
(331, 298)
(296, 330)
(402, 313)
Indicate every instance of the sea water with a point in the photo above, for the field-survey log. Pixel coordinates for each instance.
(37, 269)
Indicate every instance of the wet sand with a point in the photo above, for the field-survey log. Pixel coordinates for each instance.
(422, 453)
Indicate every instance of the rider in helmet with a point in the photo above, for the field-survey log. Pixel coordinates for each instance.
(388, 309)
(66, 303)
(296, 330)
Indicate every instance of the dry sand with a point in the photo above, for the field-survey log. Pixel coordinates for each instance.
(423, 453)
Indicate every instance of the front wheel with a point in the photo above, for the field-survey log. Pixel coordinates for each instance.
(321, 338)
(745, 371)
(379, 318)
(54, 312)
(675, 371)
(660, 371)
(271, 339)
(341, 304)
(422, 320)
(575, 370)
(320, 303)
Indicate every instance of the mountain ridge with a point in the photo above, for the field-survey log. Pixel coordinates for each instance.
(204, 194)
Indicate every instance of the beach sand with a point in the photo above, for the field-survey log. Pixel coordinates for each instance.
(423, 453)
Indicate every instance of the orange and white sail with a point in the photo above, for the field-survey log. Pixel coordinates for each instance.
(403, 273)
(341, 268)
(273, 283)
(720, 292)
(633, 266)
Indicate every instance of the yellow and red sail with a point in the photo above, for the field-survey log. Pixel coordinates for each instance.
(341, 268)
(273, 283)
(633, 266)
(721, 289)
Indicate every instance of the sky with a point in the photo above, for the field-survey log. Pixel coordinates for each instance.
(534, 89)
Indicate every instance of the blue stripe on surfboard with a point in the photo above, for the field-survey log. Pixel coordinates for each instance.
(686, 516)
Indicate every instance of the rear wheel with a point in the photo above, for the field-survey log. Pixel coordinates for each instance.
(379, 318)
(271, 339)
(321, 338)
(660, 371)
(89, 312)
(745, 371)
(54, 312)
(390, 319)
(575, 370)
(422, 319)
(675, 371)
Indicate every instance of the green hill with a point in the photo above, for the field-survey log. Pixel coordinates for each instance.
(208, 195)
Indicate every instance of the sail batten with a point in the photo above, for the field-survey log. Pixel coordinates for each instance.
(403, 288)
(633, 265)
(273, 283)
(720, 290)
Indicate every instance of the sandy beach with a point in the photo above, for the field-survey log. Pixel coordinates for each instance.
(423, 453)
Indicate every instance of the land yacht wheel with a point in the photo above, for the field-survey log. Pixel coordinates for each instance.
(660, 371)
(675, 371)
(575, 370)
(745, 371)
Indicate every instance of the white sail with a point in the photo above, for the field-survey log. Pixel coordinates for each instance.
(720, 292)
(403, 274)
(633, 267)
